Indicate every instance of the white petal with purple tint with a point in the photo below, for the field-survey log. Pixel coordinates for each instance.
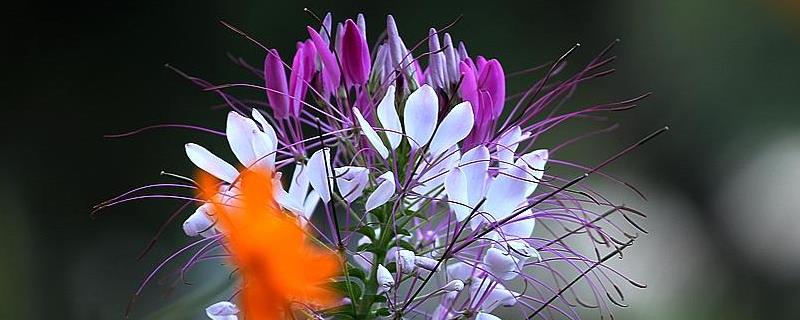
(405, 261)
(486, 316)
(534, 162)
(455, 126)
(222, 310)
(351, 181)
(372, 136)
(506, 146)
(210, 163)
(239, 131)
(420, 116)
(265, 126)
(263, 150)
(387, 115)
(385, 279)
(506, 193)
(382, 193)
(475, 164)
(495, 295)
(319, 175)
(199, 223)
(500, 264)
(461, 271)
(455, 184)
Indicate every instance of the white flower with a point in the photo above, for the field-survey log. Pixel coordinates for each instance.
(222, 310)
(299, 199)
(251, 145)
(351, 181)
(421, 122)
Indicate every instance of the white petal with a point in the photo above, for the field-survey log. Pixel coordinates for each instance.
(434, 177)
(500, 264)
(372, 136)
(455, 285)
(455, 126)
(310, 204)
(385, 279)
(507, 145)
(534, 162)
(405, 261)
(319, 175)
(199, 223)
(387, 115)
(298, 187)
(382, 193)
(420, 115)
(285, 199)
(351, 181)
(506, 193)
(362, 258)
(222, 310)
(263, 150)
(475, 164)
(239, 131)
(267, 128)
(425, 263)
(520, 227)
(461, 271)
(456, 187)
(210, 163)
(498, 296)
(486, 316)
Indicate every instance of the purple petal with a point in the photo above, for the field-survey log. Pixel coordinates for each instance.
(492, 80)
(436, 60)
(275, 80)
(330, 69)
(355, 54)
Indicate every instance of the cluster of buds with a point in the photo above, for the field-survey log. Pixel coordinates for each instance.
(423, 179)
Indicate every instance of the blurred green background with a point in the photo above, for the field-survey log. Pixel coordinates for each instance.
(723, 184)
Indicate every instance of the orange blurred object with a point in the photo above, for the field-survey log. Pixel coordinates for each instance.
(280, 269)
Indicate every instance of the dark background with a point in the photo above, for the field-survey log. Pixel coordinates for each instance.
(723, 184)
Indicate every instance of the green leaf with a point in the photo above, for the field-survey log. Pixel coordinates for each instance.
(356, 272)
(405, 245)
(367, 231)
(368, 247)
(342, 287)
(383, 312)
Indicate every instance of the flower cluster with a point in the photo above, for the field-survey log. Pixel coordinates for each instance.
(424, 180)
